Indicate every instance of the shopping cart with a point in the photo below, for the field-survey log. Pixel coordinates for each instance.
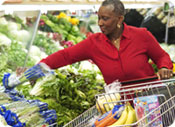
(85, 119)
(164, 89)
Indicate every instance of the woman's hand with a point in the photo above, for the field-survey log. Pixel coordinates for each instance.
(21, 70)
(165, 73)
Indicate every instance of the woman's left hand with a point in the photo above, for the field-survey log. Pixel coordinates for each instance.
(165, 73)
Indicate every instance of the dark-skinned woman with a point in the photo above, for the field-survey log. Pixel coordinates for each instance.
(120, 51)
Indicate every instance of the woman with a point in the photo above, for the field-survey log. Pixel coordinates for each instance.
(121, 52)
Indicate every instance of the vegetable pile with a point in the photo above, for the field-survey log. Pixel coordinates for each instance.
(70, 92)
(64, 25)
(16, 111)
(12, 46)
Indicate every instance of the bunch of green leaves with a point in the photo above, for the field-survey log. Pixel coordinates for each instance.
(16, 56)
(70, 93)
(16, 19)
(4, 30)
(46, 44)
(62, 26)
(25, 89)
(58, 28)
(3, 56)
(12, 57)
(3, 63)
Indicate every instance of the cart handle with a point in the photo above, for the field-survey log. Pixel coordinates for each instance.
(149, 78)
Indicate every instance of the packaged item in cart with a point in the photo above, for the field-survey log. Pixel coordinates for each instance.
(144, 105)
(103, 104)
(109, 117)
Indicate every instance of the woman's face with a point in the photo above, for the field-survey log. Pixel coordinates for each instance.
(107, 19)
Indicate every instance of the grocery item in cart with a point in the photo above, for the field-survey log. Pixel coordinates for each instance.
(127, 117)
(131, 118)
(109, 117)
(145, 104)
(156, 88)
(102, 104)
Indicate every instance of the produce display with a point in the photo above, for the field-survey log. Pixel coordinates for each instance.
(72, 89)
(16, 111)
(13, 40)
(64, 25)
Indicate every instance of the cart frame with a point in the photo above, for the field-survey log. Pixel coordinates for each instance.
(167, 105)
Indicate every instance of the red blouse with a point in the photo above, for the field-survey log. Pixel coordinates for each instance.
(137, 45)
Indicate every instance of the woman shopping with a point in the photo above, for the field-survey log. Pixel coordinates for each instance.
(120, 51)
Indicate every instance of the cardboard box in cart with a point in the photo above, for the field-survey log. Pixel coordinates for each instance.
(144, 105)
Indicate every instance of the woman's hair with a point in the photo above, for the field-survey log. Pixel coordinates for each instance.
(119, 8)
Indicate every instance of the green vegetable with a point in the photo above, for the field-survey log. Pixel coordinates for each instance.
(70, 92)
(53, 18)
(4, 40)
(66, 24)
(79, 38)
(45, 43)
(72, 38)
(75, 30)
(55, 27)
(17, 55)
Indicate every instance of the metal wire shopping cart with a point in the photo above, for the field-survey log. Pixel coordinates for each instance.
(164, 89)
(84, 120)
